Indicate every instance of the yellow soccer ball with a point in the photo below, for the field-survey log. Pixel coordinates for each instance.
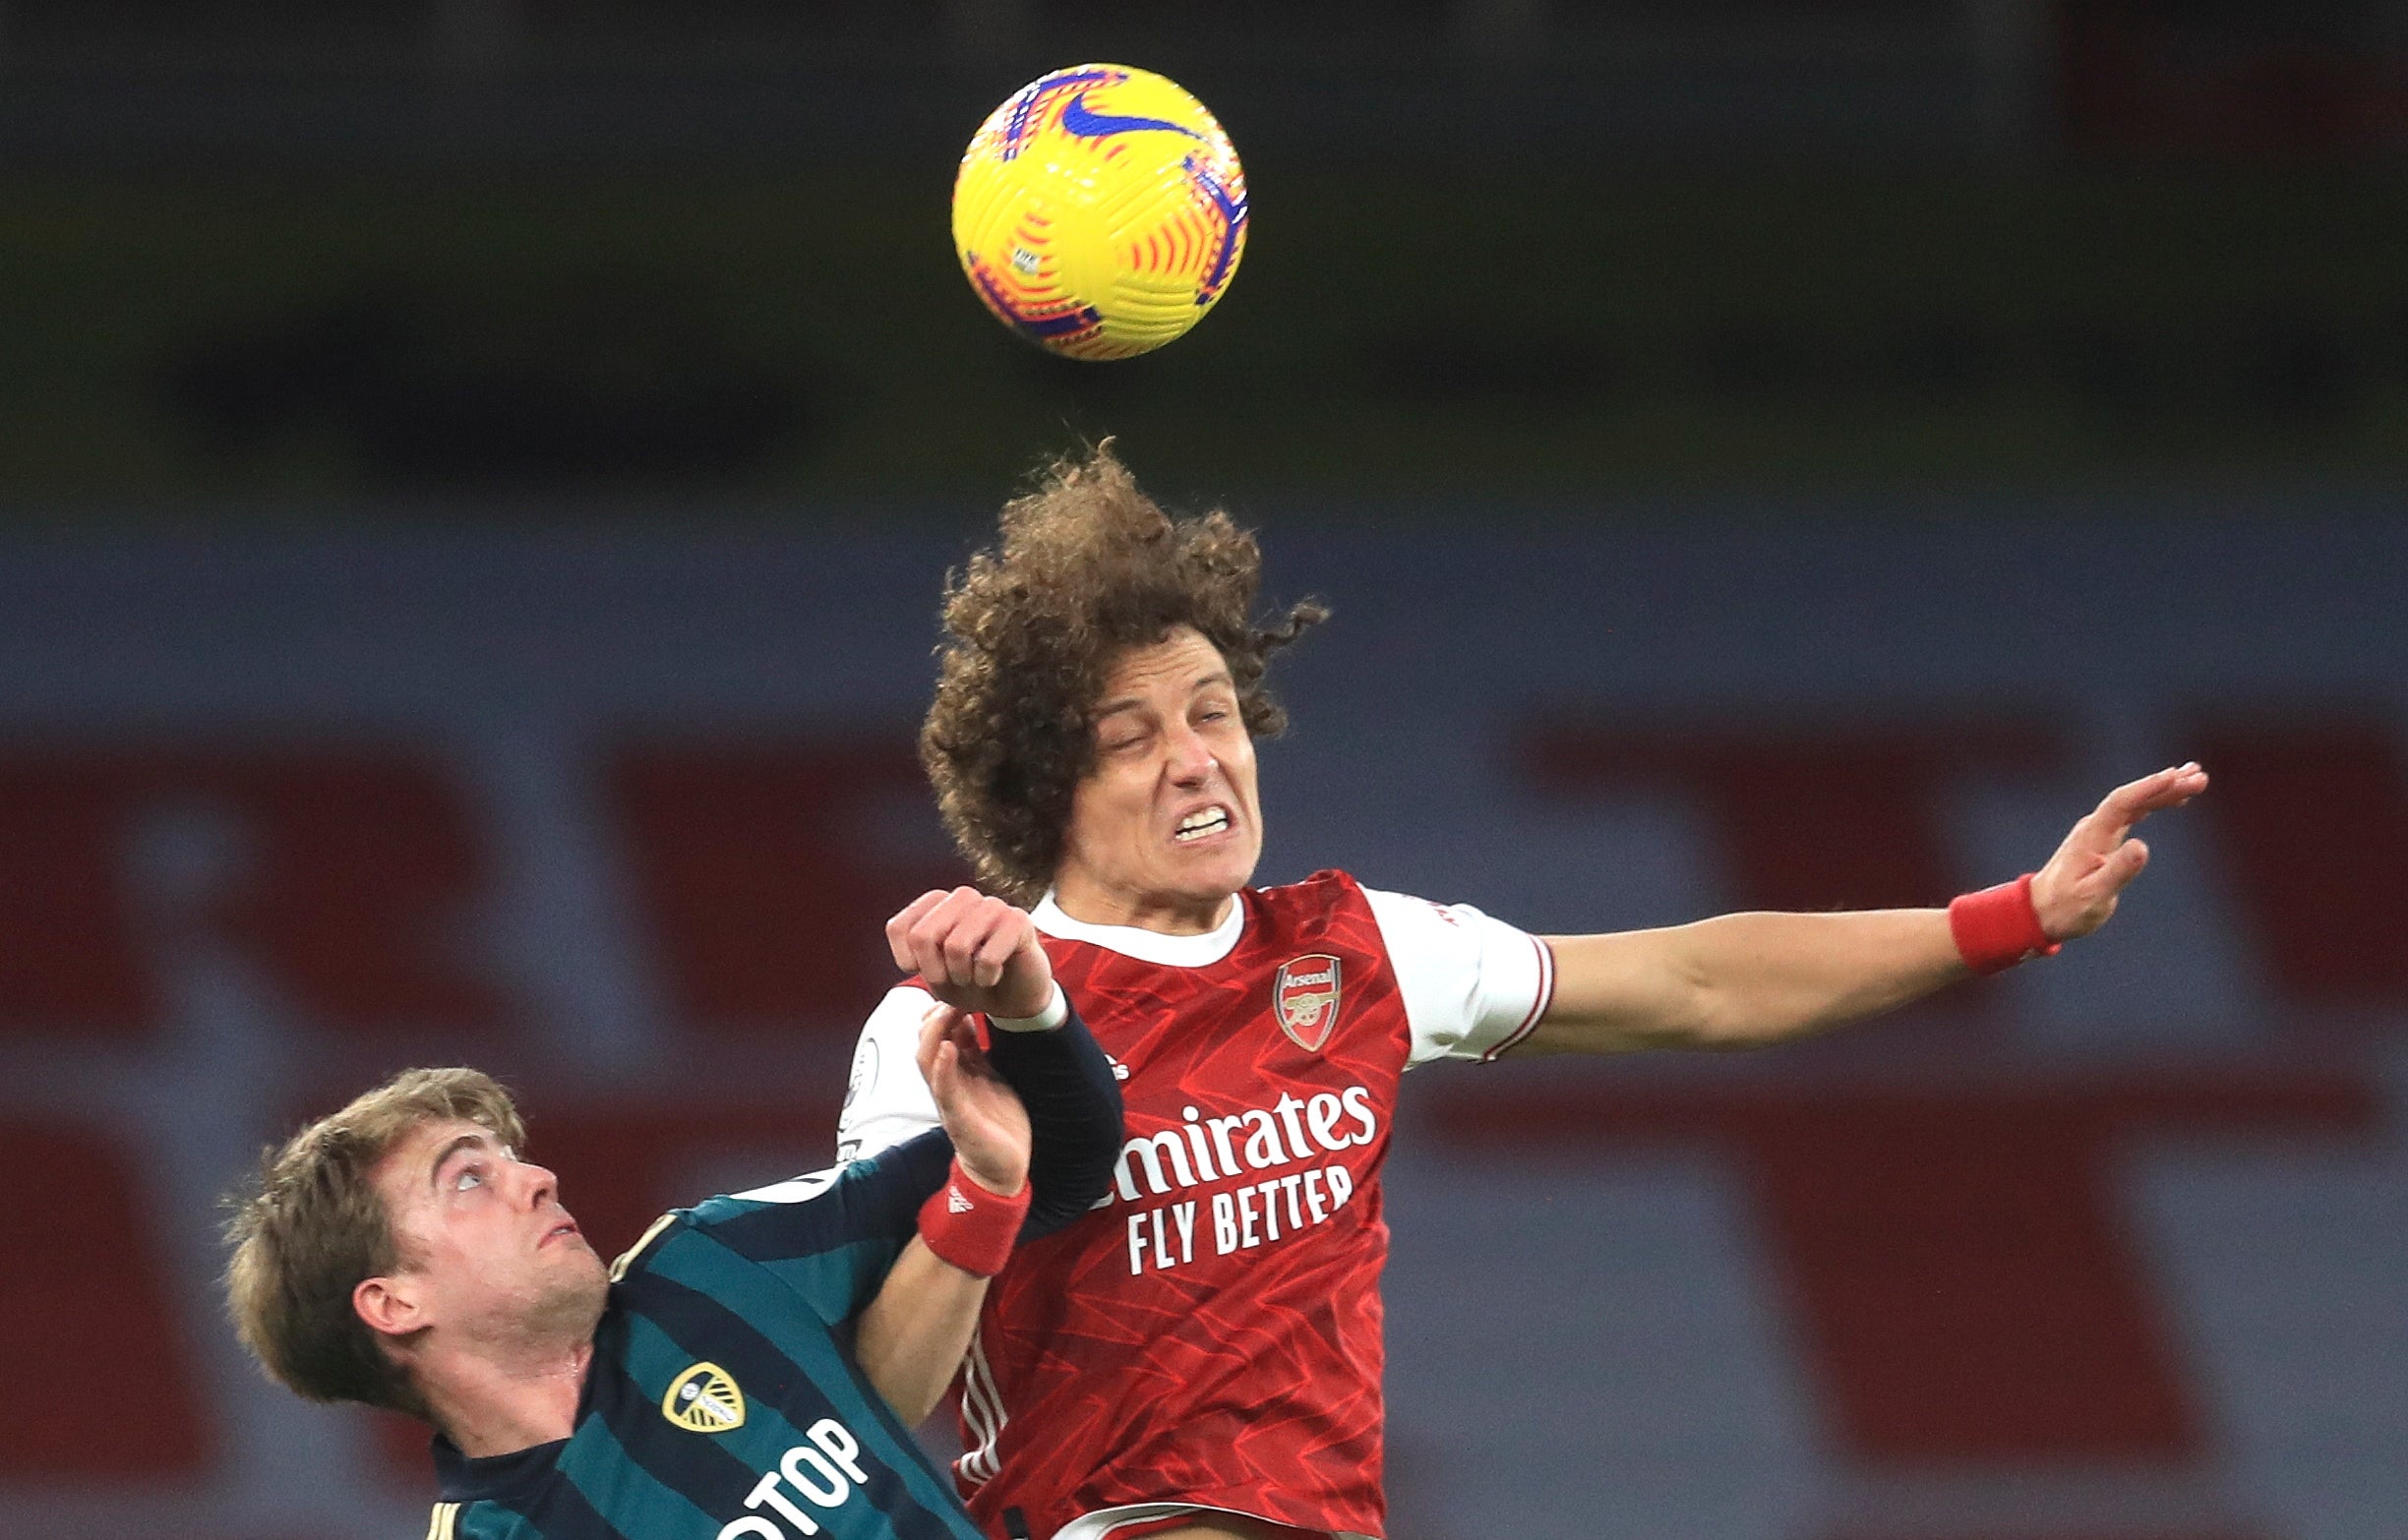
(1100, 212)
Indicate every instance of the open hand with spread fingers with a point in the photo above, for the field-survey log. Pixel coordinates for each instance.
(974, 952)
(2076, 892)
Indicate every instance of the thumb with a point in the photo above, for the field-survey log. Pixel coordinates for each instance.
(935, 1025)
(2123, 865)
(943, 1070)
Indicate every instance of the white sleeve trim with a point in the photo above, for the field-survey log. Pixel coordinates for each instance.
(795, 1189)
(886, 1100)
(1056, 1011)
(1473, 986)
(1544, 997)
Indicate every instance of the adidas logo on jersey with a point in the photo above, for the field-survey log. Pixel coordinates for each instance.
(1119, 1070)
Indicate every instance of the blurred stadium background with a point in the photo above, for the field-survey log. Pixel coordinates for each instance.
(474, 477)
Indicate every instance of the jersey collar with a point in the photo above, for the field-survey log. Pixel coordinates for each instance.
(463, 1479)
(466, 1480)
(1147, 946)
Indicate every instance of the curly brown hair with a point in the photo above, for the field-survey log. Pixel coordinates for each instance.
(1088, 567)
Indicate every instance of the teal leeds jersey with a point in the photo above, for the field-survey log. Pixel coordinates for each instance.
(723, 1403)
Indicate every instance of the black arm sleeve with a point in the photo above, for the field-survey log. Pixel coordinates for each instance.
(1074, 1113)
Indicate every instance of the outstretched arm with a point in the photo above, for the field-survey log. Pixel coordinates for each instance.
(1746, 980)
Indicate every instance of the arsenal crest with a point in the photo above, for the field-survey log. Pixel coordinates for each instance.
(1305, 998)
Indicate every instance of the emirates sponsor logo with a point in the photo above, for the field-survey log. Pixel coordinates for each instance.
(1304, 997)
(1273, 1167)
(1202, 1150)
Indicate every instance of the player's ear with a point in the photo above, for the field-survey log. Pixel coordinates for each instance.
(391, 1306)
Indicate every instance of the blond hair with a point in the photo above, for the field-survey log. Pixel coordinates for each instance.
(310, 1229)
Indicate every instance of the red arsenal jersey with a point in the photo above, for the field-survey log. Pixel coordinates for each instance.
(1210, 1334)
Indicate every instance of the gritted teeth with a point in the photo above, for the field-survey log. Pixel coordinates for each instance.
(1203, 822)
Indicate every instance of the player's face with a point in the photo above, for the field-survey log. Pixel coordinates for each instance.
(1167, 826)
(486, 1246)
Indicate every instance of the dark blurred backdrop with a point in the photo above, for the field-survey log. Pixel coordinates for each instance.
(274, 254)
(475, 477)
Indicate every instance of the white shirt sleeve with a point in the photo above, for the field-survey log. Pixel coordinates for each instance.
(1473, 986)
(886, 1100)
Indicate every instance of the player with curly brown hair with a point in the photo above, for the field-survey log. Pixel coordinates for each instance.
(1089, 570)
(1200, 1356)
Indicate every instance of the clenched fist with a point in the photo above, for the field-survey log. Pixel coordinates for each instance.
(975, 953)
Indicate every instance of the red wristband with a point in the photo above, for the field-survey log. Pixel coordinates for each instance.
(1998, 927)
(971, 1227)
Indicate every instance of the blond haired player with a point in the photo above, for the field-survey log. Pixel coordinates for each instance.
(749, 1371)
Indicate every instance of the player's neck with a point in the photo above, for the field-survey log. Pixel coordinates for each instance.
(489, 1405)
(1098, 904)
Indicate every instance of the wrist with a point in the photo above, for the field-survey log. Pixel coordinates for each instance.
(1054, 1011)
(1998, 927)
(971, 1226)
(994, 1184)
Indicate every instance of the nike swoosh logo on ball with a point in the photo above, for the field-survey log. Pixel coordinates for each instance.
(1077, 120)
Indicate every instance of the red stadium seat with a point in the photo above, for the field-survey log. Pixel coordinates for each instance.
(347, 879)
(766, 871)
(1790, 803)
(1963, 1284)
(2312, 812)
(87, 1338)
